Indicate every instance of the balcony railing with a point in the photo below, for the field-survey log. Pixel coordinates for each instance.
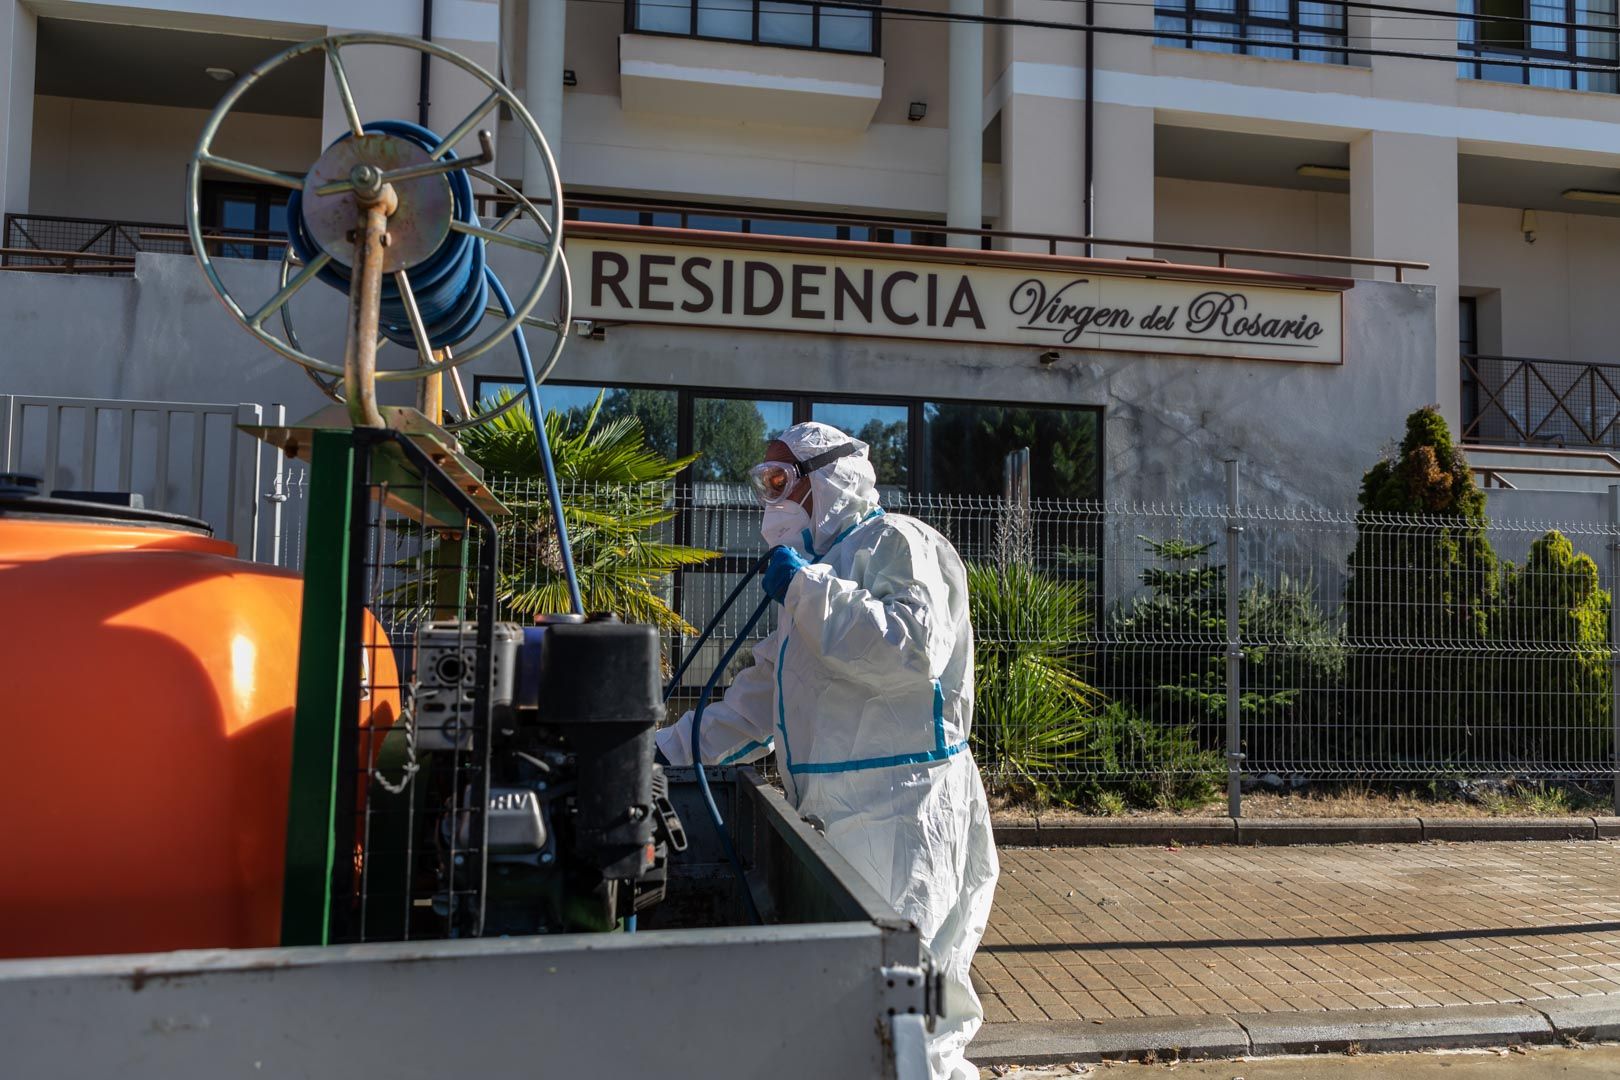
(84, 245)
(51, 244)
(1519, 401)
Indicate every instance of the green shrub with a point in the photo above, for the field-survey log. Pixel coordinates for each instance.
(1032, 705)
(1552, 634)
(1419, 601)
(1168, 658)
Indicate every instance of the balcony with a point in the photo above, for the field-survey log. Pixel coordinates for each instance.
(53, 244)
(1518, 401)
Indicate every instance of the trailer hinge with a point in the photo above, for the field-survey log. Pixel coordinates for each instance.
(914, 991)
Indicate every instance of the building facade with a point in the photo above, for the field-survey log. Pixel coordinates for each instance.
(828, 143)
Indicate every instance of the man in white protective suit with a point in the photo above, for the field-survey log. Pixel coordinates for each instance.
(865, 692)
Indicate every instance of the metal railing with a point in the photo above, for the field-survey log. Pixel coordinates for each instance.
(1522, 401)
(1224, 253)
(182, 457)
(1206, 646)
(47, 243)
(41, 243)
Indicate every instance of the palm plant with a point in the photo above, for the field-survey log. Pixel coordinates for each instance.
(617, 505)
(1033, 708)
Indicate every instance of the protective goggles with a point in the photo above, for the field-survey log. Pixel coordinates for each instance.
(772, 480)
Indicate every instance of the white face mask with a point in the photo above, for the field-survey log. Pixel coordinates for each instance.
(785, 523)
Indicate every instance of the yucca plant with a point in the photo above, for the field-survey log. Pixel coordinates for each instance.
(1033, 708)
(616, 499)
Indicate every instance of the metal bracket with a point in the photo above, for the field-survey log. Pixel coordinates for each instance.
(904, 991)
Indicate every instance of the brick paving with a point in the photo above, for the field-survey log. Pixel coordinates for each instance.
(1114, 933)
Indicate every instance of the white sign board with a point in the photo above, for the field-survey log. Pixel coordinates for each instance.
(827, 293)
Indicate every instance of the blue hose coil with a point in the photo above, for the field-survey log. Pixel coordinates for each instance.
(450, 285)
(452, 288)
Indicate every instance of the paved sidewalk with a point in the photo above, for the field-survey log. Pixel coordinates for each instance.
(1118, 934)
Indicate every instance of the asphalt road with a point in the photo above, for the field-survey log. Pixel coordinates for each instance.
(1535, 1063)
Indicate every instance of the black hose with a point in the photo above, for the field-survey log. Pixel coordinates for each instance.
(714, 623)
(702, 773)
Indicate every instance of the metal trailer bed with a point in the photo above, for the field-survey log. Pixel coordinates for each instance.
(834, 985)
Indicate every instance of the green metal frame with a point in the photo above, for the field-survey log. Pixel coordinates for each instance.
(306, 896)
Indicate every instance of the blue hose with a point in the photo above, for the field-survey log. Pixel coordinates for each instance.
(452, 288)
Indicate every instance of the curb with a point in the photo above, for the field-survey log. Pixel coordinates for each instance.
(1105, 832)
(1440, 1027)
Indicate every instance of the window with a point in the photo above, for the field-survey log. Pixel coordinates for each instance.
(884, 428)
(245, 210)
(656, 409)
(938, 447)
(933, 447)
(1294, 24)
(718, 219)
(1503, 36)
(964, 446)
(759, 22)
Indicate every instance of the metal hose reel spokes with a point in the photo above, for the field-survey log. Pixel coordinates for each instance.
(558, 326)
(393, 175)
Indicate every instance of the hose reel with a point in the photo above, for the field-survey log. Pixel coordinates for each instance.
(387, 215)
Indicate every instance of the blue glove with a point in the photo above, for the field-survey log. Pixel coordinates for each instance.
(785, 562)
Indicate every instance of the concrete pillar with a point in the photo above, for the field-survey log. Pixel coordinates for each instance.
(964, 201)
(1403, 205)
(1043, 163)
(1041, 166)
(18, 34)
(1122, 178)
(543, 85)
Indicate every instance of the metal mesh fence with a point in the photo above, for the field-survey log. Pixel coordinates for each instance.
(97, 246)
(1155, 644)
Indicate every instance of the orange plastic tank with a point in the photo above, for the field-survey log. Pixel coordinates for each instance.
(147, 705)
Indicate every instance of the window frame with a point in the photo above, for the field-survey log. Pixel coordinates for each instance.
(632, 8)
(1501, 57)
(1242, 21)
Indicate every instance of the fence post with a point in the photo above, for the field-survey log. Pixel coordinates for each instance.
(8, 413)
(1234, 647)
(1614, 637)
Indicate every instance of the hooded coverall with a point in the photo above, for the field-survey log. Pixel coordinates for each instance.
(865, 692)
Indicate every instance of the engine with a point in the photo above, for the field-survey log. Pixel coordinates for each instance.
(578, 823)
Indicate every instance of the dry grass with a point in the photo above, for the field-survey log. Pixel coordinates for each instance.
(1358, 801)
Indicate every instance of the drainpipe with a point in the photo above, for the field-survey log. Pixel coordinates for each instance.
(425, 79)
(543, 82)
(964, 174)
(1088, 210)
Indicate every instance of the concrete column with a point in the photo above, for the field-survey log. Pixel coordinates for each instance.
(964, 204)
(1041, 166)
(1043, 162)
(18, 33)
(1403, 205)
(1122, 178)
(543, 84)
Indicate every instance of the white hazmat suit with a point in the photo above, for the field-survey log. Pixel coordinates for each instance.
(865, 691)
